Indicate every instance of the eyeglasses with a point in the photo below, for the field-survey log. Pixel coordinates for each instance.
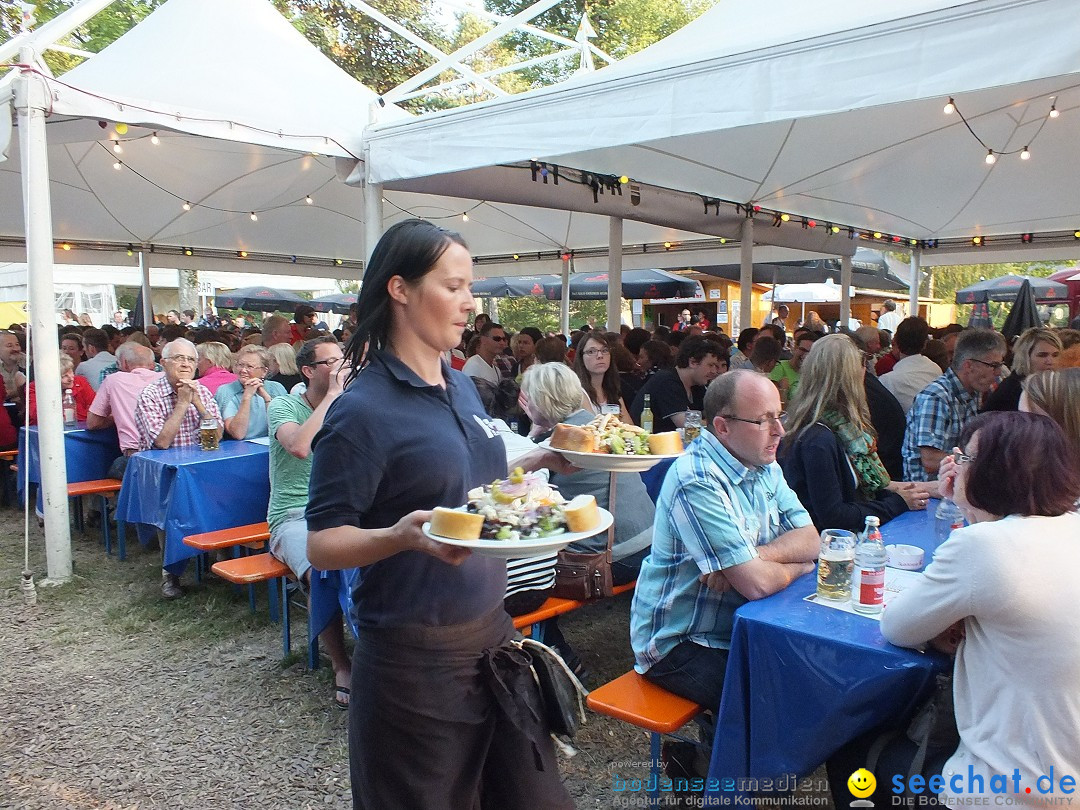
(597, 352)
(181, 358)
(332, 361)
(778, 420)
(249, 367)
(962, 458)
(497, 338)
(994, 366)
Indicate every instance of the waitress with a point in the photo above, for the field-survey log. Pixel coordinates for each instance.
(444, 712)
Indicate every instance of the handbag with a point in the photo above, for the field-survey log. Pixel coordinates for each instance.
(561, 693)
(582, 576)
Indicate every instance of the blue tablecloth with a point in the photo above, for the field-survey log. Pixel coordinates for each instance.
(331, 596)
(804, 679)
(89, 453)
(189, 491)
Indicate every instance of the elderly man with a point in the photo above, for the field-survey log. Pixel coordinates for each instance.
(728, 529)
(98, 357)
(168, 413)
(294, 421)
(945, 406)
(889, 317)
(275, 330)
(117, 396)
(913, 371)
(243, 403)
(482, 364)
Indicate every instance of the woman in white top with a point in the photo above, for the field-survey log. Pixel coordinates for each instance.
(1006, 587)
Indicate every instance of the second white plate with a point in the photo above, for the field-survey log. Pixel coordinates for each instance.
(516, 549)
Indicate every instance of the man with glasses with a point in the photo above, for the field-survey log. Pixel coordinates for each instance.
(168, 413)
(728, 529)
(945, 406)
(243, 402)
(294, 421)
(482, 364)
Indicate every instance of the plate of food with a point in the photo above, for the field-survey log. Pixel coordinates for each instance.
(519, 516)
(607, 444)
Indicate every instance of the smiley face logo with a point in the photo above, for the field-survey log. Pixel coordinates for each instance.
(861, 783)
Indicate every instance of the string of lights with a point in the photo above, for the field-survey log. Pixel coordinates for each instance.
(992, 154)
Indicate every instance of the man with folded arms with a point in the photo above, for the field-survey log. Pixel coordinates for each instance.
(294, 420)
(115, 401)
(168, 413)
(728, 529)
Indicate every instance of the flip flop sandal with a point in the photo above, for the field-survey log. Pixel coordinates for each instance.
(340, 691)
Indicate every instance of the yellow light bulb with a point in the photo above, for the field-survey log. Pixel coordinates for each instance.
(624, 179)
(121, 129)
(877, 234)
(785, 217)
(835, 229)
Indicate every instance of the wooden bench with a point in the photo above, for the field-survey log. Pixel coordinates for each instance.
(252, 536)
(640, 702)
(257, 568)
(530, 623)
(103, 487)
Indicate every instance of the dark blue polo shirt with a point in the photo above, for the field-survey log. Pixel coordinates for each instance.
(392, 444)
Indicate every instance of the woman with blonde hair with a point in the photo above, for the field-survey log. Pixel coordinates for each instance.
(1056, 394)
(1035, 350)
(829, 455)
(283, 367)
(215, 365)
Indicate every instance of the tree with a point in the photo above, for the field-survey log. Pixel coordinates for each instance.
(943, 281)
(99, 31)
(515, 313)
(623, 27)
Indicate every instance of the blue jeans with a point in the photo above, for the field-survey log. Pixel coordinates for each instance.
(693, 672)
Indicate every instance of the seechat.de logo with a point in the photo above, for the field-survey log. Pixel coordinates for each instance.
(861, 784)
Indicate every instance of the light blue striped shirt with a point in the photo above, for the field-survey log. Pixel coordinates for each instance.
(713, 512)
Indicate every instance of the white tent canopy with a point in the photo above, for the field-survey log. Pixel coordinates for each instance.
(834, 114)
(249, 117)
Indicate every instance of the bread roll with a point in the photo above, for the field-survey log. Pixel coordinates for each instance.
(665, 444)
(456, 524)
(572, 437)
(582, 514)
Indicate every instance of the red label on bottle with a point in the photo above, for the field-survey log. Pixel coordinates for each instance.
(872, 586)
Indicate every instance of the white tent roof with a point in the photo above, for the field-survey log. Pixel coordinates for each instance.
(833, 113)
(250, 117)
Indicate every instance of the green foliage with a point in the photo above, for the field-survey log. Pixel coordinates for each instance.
(942, 282)
(99, 31)
(623, 27)
(362, 47)
(515, 313)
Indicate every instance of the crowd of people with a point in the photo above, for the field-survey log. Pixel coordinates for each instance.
(801, 432)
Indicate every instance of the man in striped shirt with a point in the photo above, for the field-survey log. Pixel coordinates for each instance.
(728, 529)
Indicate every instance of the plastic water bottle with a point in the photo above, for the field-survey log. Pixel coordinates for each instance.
(69, 408)
(946, 518)
(868, 577)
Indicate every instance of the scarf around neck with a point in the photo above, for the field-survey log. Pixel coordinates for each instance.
(861, 450)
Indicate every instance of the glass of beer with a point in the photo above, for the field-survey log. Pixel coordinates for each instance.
(692, 426)
(835, 562)
(208, 434)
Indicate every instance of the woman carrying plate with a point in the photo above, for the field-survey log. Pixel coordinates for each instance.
(446, 714)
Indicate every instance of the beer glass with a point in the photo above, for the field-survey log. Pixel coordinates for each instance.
(835, 563)
(208, 434)
(692, 426)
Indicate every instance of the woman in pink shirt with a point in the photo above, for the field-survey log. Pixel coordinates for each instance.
(215, 360)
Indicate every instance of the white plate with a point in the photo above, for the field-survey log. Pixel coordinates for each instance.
(515, 549)
(608, 462)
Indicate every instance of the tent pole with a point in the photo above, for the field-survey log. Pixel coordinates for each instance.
(564, 303)
(144, 275)
(32, 102)
(746, 274)
(373, 218)
(614, 295)
(845, 291)
(913, 285)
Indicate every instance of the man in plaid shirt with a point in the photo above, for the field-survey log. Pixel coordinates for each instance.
(168, 413)
(941, 410)
(728, 529)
